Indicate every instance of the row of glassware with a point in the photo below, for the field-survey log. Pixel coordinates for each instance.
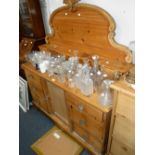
(85, 77)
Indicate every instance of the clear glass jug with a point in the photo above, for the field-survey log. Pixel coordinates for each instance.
(105, 97)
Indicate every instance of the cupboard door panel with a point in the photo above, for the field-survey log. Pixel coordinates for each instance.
(57, 100)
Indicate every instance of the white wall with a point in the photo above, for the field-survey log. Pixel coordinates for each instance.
(121, 10)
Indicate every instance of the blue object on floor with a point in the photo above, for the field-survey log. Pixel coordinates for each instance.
(32, 125)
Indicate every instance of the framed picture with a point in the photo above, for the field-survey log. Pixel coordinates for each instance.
(23, 95)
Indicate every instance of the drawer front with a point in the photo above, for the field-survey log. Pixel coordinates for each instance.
(34, 88)
(87, 123)
(36, 98)
(83, 107)
(82, 133)
(98, 146)
(124, 131)
(118, 148)
(126, 107)
(33, 79)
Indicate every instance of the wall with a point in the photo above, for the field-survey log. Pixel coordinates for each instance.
(121, 10)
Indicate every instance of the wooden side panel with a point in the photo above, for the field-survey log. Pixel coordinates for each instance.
(126, 106)
(118, 148)
(124, 131)
(57, 98)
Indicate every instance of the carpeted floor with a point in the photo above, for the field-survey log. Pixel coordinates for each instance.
(32, 125)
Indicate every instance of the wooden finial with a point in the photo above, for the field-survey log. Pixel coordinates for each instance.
(71, 3)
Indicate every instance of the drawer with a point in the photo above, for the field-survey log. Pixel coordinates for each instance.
(124, 131)
(33, 78)
(82, 133)
(118, 148)
(87, 123)
(35, 89)
(36, 100)
(98, 146)
(40, 100)
(38, 96)
(83, 107)
(125, 106)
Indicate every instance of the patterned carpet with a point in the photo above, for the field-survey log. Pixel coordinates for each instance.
(32, 125)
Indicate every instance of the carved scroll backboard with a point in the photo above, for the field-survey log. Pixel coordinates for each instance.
(90, 30)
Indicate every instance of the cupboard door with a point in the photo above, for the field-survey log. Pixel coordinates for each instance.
(57, 101)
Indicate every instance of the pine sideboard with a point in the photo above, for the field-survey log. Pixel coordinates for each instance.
(81, 117)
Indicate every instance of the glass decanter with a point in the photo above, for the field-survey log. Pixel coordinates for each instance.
(105, 97)
(86, 85)
(70, 75)
(77, 77)
(96, 73)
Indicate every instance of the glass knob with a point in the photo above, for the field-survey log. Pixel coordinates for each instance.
(80, 108)
(82, 122)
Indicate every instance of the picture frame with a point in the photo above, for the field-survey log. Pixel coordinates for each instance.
(23, 94)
